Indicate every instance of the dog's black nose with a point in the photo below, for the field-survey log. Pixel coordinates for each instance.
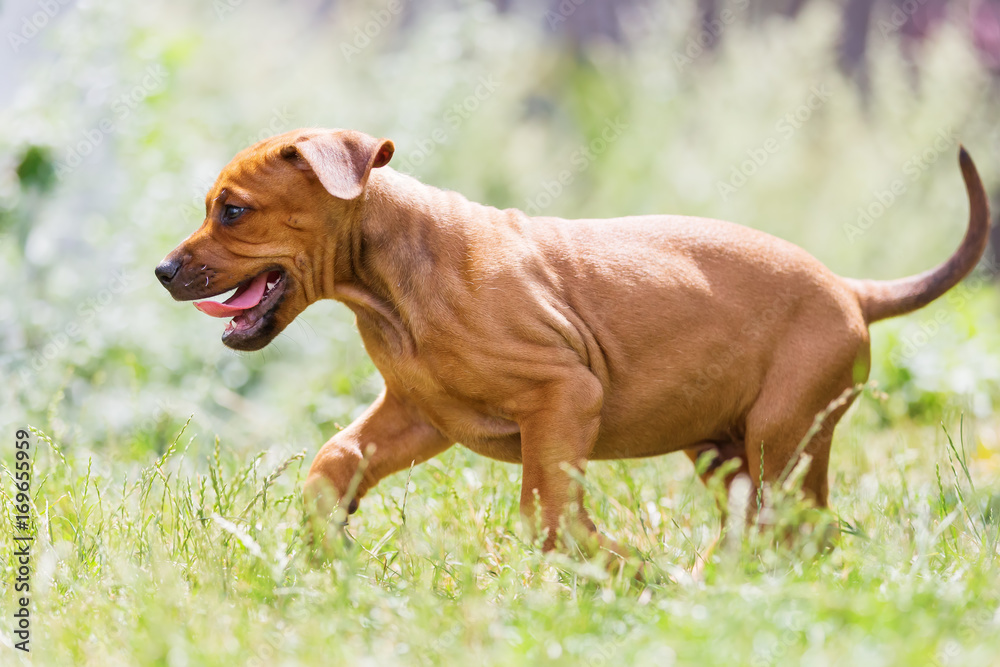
(167, 269)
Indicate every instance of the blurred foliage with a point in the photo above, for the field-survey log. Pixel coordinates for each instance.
(35, 170)
(157, 545)
(941, 361)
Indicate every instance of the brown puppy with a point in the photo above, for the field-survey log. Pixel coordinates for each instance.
(542, 341)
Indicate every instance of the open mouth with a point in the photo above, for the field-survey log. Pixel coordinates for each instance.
(250, 307)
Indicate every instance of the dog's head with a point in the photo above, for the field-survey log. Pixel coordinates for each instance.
(272, 221)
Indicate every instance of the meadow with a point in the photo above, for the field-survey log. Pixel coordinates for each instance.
(166, 470)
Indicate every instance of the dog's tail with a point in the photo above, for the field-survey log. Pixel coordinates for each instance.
(880, 299)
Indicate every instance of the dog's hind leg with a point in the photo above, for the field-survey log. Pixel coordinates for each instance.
(814, 374)
(782, 427)
(730, 456)
(721, 453)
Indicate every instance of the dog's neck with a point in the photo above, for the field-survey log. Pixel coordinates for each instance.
(412, 227)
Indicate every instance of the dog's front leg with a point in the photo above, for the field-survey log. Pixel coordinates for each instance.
(391, 435)
(556, 440)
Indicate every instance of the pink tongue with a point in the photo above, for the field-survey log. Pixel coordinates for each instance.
(246, 296)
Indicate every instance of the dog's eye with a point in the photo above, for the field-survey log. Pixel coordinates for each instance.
(232, 213)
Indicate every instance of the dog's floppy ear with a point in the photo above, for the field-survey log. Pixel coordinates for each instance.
(341, 161)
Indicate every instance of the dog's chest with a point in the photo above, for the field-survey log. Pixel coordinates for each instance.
(438, 392)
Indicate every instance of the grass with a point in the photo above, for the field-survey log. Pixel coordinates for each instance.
(199, 557)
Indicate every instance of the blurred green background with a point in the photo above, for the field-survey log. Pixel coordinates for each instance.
(832, 123)
(796, 118)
